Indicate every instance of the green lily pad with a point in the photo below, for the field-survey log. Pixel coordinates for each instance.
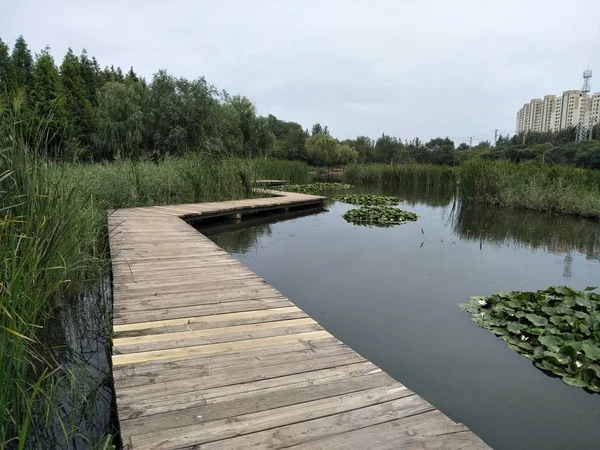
(558, 328)
(380, 216)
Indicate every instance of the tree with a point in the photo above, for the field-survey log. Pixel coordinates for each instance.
(184, 114)
(22, 66)
(246, 113)
(121, 120)
(364, 146)
(5, 70)
(322, 150)
(389, 149)
(47, 99)
(80, 110)
(316, 129)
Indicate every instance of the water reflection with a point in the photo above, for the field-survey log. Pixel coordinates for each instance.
(78, 346)
(551, 232)
(241, 236)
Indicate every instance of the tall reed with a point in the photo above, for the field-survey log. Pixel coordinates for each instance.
(48, 240)
(541, 187)
(395, 175)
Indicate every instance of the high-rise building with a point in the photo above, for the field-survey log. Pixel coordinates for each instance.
(555, 113)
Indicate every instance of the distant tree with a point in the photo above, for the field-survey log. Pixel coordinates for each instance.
(184, 114)
(321, 150)
(22, 66)
(463, 146)
(389, 149)
(89, 78)
(318, 129)
(122, 123)
(264, 139)
(80, 110)
(47, 99)
(346, 154)
(132, 76)
(364, 146)
(5, 70)
(248, 123)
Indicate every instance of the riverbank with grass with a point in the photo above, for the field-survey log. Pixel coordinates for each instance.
(53, 248)
(390, 176)
(539, 187)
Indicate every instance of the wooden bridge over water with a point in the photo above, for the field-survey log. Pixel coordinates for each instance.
(207, 355)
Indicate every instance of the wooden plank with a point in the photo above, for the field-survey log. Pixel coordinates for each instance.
(158, 355)
(312, 430)
(203, 432)
(203, 322)
(198, 310)
(206, 353)
(255, 401)
(428, 430)
(186, 388)
(353, 376)
(205, 337)
(227, 363)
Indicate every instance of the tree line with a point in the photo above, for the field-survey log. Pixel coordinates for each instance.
(94, 114)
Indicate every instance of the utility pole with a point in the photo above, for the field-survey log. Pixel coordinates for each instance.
(583, 106)
(495, 136)
(470, 142)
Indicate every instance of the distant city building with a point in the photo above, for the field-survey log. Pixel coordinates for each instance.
(555, 113)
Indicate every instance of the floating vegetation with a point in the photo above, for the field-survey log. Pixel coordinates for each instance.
(314, 188)
(558, 328)
(368, 200)
(379, 216)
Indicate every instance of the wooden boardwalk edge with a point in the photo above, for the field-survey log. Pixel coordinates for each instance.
(207, 355)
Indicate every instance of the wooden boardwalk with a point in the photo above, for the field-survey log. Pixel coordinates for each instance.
(207, 355)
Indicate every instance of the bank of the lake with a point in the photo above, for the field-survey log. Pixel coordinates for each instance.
(539, 187)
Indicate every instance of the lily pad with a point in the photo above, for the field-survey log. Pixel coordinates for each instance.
(368, 200)
(380, 216)
(558, 328)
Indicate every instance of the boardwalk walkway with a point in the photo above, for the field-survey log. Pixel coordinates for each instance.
(207, 355)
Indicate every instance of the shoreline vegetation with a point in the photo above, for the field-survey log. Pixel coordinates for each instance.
(539, 187)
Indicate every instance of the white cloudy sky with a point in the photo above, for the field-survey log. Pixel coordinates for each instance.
(405, 67)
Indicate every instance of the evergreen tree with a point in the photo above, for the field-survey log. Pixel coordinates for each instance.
(79, 110)
(131, 76)
(88, 77)
(46, 98)
(5, 69)
(22, 66)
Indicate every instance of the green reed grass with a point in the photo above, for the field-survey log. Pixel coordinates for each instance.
(395, 175)
(540, 187)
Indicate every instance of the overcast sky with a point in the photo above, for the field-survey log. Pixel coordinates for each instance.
(407, 68)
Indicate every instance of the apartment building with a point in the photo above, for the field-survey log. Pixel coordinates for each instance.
(555, 113)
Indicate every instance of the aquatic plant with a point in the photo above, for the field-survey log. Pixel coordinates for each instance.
(540, 187)
(314, 188)
(380, 216)
(368, 199)
(558, 328)
(394, 175)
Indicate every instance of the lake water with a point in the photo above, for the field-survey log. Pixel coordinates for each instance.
(392, 293)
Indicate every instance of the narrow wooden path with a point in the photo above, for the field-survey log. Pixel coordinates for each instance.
(207, 355)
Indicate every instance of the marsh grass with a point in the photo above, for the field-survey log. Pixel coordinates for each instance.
(540, 187)
(396, 175)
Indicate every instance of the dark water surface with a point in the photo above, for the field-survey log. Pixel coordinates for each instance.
(392, 294)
